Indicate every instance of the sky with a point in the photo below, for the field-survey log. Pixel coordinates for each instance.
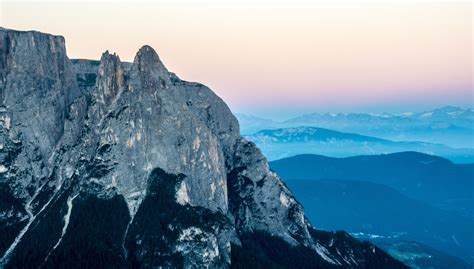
(281, 58)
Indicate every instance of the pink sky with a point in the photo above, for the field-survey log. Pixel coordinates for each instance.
(286, 57)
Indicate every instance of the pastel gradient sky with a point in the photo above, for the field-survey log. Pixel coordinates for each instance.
(282, 58)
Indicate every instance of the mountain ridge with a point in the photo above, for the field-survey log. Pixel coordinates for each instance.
(448, 125)
(401, 196)
(428, 197)
(286, 142)
(427, 172)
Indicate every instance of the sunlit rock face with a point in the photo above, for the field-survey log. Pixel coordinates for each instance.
(142, 121)
(134, 165)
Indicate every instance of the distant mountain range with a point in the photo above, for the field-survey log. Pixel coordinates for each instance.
(287, 142)
(452, 126)
(430, 179)
(391, 198)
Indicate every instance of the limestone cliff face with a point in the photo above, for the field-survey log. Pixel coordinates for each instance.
(35, 90)
(130, 156)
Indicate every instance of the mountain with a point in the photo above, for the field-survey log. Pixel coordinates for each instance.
(250, 124)
(380, 212)
(452, 126)
(105, 164)
(430, 179)
(409, 196)
(281, 143)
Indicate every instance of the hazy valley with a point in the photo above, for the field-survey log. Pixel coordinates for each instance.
(397, 194)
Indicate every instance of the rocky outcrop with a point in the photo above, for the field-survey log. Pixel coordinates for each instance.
(133, 164)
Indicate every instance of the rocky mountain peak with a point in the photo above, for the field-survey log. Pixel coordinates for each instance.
(110, 78)
(147, 63)
(136, 166)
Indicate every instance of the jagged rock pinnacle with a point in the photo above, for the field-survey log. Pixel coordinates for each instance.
(110, 79)
(147, 62)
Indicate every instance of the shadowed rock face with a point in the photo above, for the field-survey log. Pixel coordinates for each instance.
(116, 137)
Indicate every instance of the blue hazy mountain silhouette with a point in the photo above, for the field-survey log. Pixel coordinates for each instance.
(403, 196)
(449, 125)
(287, 142)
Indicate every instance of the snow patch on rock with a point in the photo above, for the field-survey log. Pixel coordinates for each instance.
(196, 143)
(189, 234)
(324, 253)
(3, 169)
(7, 122)
(182, 196)
(66, 219)
(195, 242)
(284, 199)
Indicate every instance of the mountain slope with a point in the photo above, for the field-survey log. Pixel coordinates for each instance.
(427, 178)
(84, 143)
(281, 143)
(373, 209)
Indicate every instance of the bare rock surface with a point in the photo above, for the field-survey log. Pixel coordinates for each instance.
(131, 156)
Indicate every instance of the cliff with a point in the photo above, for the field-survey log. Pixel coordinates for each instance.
(126, 165)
